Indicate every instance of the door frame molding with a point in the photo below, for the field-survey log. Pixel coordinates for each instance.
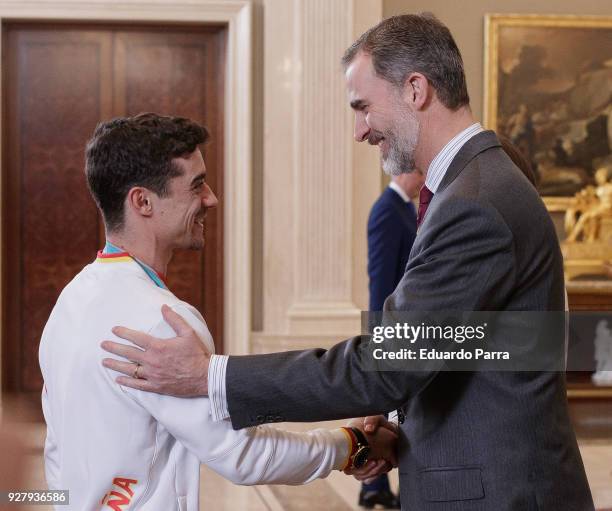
(237, 15)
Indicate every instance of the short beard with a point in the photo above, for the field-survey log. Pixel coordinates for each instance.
(402, 139)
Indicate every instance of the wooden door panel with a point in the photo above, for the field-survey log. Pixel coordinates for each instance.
(61, 81)
(150, 67)
(53, 226)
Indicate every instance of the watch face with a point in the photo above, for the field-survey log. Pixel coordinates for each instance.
(361, 457)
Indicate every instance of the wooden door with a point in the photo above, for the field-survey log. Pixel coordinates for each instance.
(60, 81)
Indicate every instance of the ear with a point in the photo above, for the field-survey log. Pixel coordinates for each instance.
(140, 200)
(417, 91)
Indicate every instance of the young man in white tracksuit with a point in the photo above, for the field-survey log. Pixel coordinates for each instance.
(117, 448)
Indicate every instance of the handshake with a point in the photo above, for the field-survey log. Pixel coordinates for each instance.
(382, 437)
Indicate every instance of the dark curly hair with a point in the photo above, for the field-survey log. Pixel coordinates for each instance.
(136, 151)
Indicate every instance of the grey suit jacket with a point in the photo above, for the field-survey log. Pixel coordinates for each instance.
(471, 441)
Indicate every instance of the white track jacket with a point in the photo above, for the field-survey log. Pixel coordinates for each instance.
(122, 449)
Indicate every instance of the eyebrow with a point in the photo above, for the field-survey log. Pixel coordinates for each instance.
(358, 104)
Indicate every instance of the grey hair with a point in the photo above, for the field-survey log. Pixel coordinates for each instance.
(410, 43)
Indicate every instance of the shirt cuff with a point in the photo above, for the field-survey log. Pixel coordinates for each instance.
(216, 387)
(393, 417)
(342, 443)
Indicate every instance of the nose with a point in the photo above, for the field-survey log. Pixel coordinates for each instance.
(209, 199)
(362, 130)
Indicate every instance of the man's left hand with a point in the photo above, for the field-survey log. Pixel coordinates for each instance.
(177, 366)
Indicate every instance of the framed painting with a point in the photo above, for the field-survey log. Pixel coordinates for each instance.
(548, 88)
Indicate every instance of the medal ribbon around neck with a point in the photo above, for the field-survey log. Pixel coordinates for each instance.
(113, 254)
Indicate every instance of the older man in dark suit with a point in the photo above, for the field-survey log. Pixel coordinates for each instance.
(486, 441)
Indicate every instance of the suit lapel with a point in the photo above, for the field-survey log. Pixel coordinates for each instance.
(475, 145)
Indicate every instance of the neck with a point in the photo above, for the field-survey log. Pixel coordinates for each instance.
(148, 251)
(438, 127)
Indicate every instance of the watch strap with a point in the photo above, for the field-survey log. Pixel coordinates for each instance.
(361, 439)
(359, 447)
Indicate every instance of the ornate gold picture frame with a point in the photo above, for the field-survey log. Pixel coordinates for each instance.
(547, 88)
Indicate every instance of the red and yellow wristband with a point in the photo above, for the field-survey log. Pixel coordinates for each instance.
(352, 440)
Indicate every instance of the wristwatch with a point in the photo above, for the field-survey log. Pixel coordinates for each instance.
(360, 451)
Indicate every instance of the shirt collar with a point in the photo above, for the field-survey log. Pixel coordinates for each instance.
(398, 189)
(114, 254)
(439, 165)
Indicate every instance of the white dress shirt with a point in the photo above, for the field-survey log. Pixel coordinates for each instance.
(437, 169)
(439, 165)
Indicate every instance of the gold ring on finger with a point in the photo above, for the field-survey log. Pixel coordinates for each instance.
(138, 366)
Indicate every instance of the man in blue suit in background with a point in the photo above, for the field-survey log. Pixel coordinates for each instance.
(392, 228)
(391, 233)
